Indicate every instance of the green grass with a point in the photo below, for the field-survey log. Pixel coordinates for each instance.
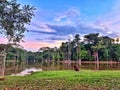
(65, 80)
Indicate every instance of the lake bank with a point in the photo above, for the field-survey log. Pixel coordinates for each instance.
(65, 80)
(100, 62)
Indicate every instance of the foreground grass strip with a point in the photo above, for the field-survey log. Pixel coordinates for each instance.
(65, 80)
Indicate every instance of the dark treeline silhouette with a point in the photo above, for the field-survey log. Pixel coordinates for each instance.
(92, 48)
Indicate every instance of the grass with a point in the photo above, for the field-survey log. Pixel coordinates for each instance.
(65, 80)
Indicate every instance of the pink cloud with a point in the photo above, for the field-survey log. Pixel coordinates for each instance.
(3, 40)
(39, 26)
(35, 45)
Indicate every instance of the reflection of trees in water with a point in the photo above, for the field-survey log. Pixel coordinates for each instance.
(60, 66)
(107, 66)
(10, 68)
(97, 66)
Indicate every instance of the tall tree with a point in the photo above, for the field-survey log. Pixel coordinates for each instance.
(117, 40)
(13, 18)
(95, 42)
(69, 49)
(107, 42)
(77, 45)
(63, 50)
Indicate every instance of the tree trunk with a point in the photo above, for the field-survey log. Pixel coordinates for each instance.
(79, 55)
(95, 54)
(2, 63)
(97, 57)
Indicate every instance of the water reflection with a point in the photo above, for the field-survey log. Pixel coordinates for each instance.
(12, 68)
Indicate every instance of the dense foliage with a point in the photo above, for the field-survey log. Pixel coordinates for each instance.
(13, 18)
(92, 48)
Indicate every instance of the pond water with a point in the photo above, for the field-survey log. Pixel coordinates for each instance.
(16, 68)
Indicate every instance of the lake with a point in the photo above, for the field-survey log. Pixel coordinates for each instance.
(13, 68)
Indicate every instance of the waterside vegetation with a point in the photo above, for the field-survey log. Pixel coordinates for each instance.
(92, 48)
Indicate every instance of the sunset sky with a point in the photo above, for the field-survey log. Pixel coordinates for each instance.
(56, 21)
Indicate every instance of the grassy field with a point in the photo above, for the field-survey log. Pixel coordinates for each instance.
(65, 80)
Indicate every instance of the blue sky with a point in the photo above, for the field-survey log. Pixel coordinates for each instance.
(56, 21)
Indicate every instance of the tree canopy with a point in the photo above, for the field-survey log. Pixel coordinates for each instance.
(103, 48)
(13, 18)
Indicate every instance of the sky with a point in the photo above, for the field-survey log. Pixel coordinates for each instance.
(56, 21)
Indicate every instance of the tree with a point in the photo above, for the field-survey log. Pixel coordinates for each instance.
(95, 42)
(107, 42)
(117, 40)
(92, 38)
(115, 55)
(77, 43)
(96, 48)
(84, 54)
(13, 18)
(69, 49)
(64, 50)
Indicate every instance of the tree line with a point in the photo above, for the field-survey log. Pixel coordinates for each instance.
(92, 48)
(14, 17)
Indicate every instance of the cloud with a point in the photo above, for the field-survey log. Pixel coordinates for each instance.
(64, 32)
(50, 28)
(69, 21)
(35, 45)
(38, 26)
(80, 28)
(69, 16)
(41, 32)
(110, 20)
(58, 38)
(66, 37)
(63, 29)
(59, 30)
(3, 40)
(114, 34)
(54, 38)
